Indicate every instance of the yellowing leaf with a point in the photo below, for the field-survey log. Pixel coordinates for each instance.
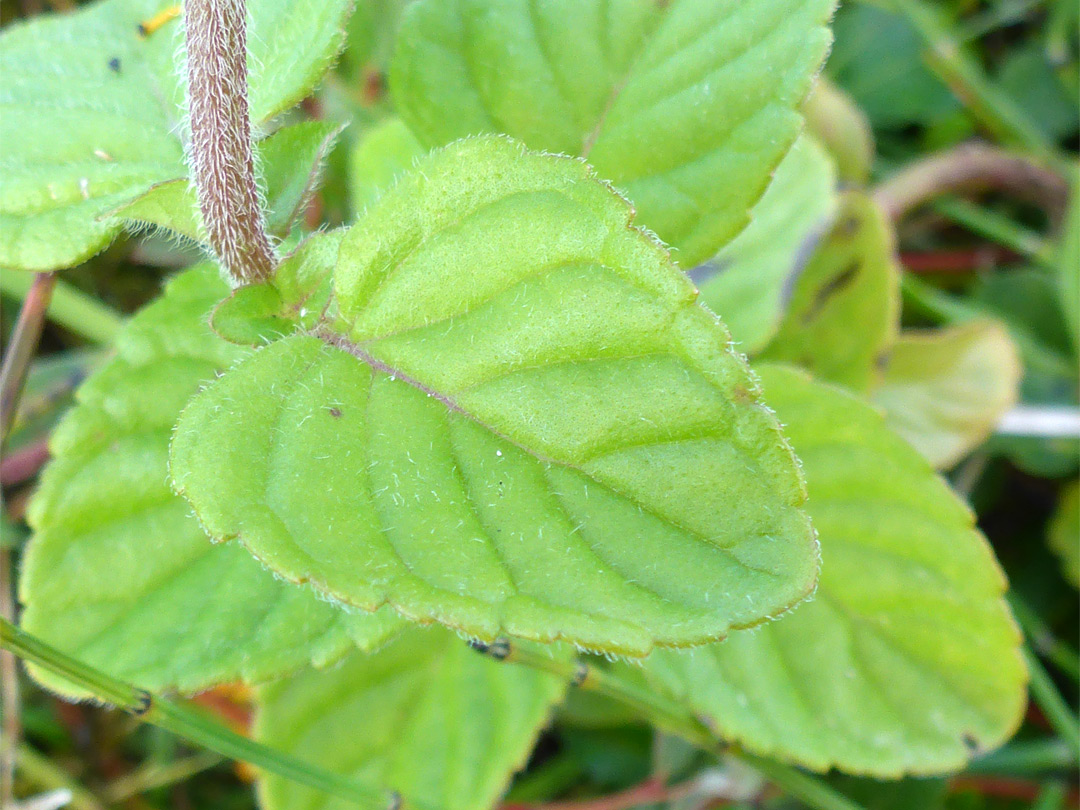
(945, 390)
(118, 572)
(686, 106)
(906, 660)
(515, 419)
(1064, 532)
(425, 715)
(844, 311)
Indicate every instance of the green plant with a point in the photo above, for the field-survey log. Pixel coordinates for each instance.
(413, 476)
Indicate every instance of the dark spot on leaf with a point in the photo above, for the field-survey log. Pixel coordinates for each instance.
(848, 226)
(335, 412)
(142, 30)
(742, 395)
(971, 744)
(114, 64)
(835, 285)
(374, 85)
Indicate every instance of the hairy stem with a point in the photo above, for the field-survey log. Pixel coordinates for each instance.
(187, 722)
(221, 158)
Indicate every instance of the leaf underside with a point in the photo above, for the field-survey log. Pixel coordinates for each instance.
(425, 715)
(906, 660)
(686, 106)
(843, 315)
(514, 419)
(104, 105)
(118, 572)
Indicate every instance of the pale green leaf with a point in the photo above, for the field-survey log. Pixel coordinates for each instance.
(382, 155)
(257, 314)
(426, 716)
(517, 420)
(686, 106)
(118, 572)
(90, 113)
(290, 162)
(906, 660)
(835, 121)
(1064, 532)
(945, 390)
(748, 281)
(844, 311)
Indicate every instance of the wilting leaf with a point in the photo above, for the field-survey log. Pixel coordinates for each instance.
(945, 390)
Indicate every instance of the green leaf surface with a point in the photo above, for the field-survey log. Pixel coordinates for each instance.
(686, 106)
(379, 158)
(747, 283)
(844, 311)
(104, 105)
(257, 314)
(945, 390)
(906, 660)
(515, 420)
(1064, 532)
(290, 162)
(118, 573)
(426, 716)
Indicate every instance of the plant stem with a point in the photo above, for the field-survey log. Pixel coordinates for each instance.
(24, 341)
(44, 773)
(963, 75)
(1053, 705)
(16, 363)
(1052, 797)
(997, 228)
(221, 156)
(671, 716)
(1025, 758)
(9, 686)
(1060, 654)
(70, 307)
(154, 775)
(967, 168)
(187, 722)
(652, 791)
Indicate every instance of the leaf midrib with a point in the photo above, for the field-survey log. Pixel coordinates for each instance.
(343, 344)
